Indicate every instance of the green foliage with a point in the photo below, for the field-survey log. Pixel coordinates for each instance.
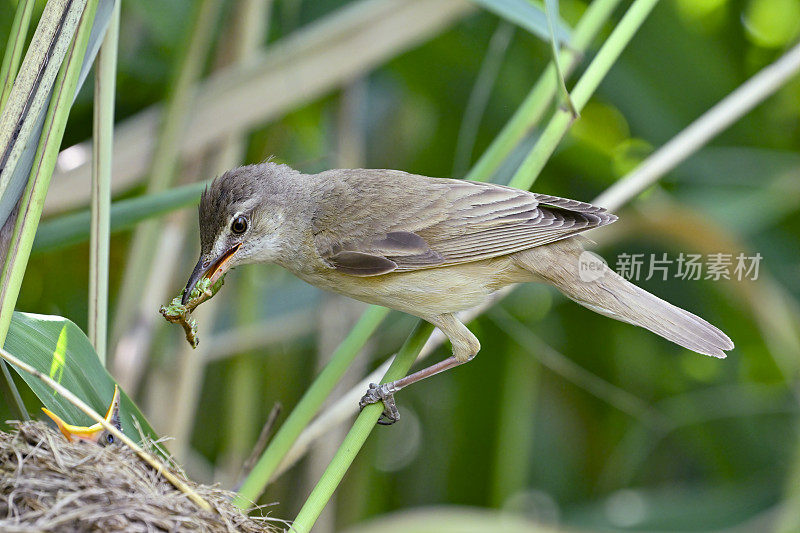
(566, 416)
(58, 348)
(55, 56)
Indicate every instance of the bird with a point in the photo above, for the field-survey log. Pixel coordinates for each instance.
(95, 433)
(426, 246)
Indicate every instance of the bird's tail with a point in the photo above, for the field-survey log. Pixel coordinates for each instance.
(586, 279)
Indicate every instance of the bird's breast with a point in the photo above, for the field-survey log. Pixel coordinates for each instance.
(426, 292)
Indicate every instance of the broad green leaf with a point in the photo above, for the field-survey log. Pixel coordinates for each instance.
(527, 16)
(58, 348)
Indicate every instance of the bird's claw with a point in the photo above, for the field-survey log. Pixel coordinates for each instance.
(381, 393)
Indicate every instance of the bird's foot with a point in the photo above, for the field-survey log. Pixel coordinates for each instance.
(382, 393)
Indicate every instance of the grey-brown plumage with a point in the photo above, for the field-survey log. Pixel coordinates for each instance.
(426, 246)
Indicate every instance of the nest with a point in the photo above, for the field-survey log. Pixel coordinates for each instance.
(48, 484)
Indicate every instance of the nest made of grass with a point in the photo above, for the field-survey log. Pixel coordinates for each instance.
(48, 484)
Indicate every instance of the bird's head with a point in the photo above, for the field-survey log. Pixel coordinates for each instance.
(241, 219)
(95, 433)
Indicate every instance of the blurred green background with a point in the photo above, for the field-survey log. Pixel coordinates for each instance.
(566, 418)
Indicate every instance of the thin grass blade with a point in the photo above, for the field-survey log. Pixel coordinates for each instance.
(102, 149)
(551, 8)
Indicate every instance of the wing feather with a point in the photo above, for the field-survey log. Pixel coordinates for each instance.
(432, 222)
(362, 264)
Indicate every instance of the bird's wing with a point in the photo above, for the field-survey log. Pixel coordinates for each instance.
(379, 221)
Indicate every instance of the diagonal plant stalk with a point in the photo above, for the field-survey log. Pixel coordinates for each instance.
(758, 88)
(310, 403)
(724, 113)
(39, 180)
(536, 104)
(14, 47)
(560, 122)
(165, 159)
(103, 141)
(358, 434)
(527, 174)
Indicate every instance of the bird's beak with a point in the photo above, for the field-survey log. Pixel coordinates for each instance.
(90, 433)
(209, 268)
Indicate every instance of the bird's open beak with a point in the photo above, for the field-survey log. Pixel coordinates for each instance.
(209, 268)
(90, 433)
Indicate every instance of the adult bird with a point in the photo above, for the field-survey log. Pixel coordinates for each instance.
(426, 246)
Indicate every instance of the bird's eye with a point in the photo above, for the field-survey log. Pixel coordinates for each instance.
(110, 438)
(239, 225)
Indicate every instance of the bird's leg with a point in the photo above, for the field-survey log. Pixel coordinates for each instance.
(385, 392)
(465, 347)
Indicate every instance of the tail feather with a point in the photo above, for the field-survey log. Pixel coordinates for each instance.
(607, 293)
(617, 298)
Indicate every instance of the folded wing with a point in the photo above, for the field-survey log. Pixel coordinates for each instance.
(431, 222)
